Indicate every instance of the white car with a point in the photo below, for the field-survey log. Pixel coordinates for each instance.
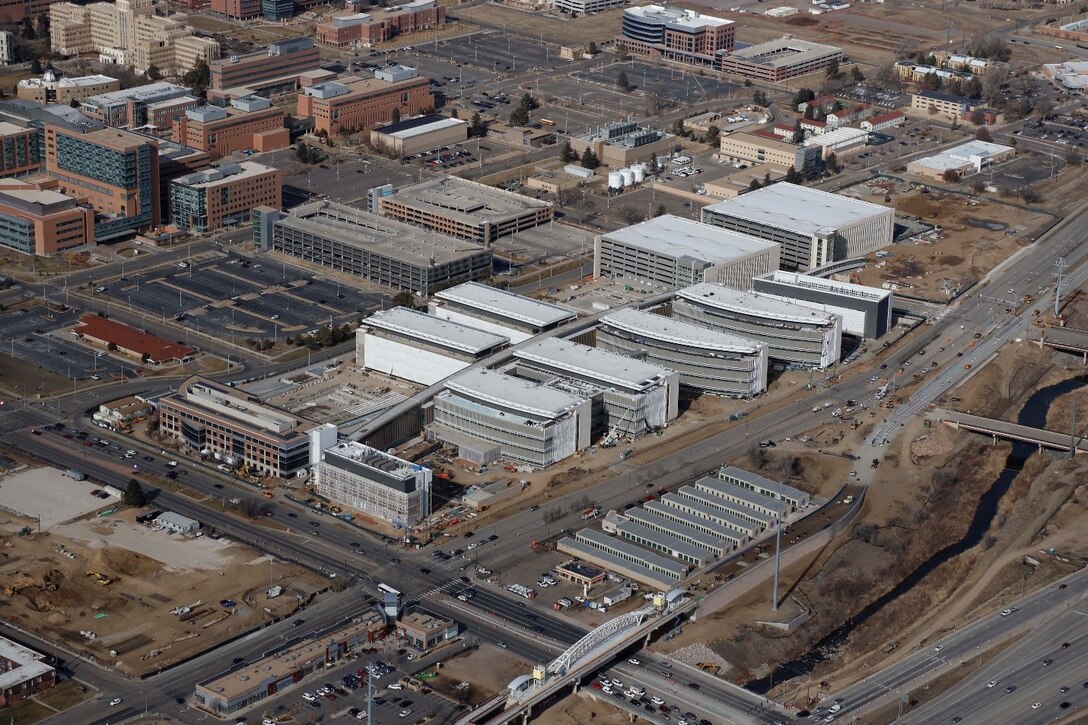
(1036, 705)
(404, 713)
(618, 684)
(657, 701)
(633, 661)
(938, 648)
(991, 683)
(361, 715)
(834, 708)
(115, 702)
(309, 696)
(1006, 612)
(396, 686)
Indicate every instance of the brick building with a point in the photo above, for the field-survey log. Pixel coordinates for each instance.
(23, 673)
(365, 102)
(380, 25)
(40, 221)
(250, 123)
(279, 59)
(207, 200)
(673, 34)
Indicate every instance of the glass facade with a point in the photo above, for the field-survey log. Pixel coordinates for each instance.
(17, 233)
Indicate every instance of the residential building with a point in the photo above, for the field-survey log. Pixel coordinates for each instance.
(129, 108)
(415, 346)
(675, 252)
(499, 311)
(247, 685)
(891, 119)
(425, 631)
(632, 396)
(50, 89)
(371, 247)
(967, 158)
(20, 149)
(419, 135)
(248, 124)
(708, 360)
(584, 7)
(374, 483)
(116, 171)
(814, 227)
(359, 104)
(942, 105)
(624, 143)
(865, 311)
(760, 148)
(126, 340)
(778, 60)
(379, 25)
(42, 222)
(490, 416)
(281, 59)
(465, 209)
(207, 200)
(774, 490)
(23, 673)
(793, 334)
(211, 418)
(674, 34)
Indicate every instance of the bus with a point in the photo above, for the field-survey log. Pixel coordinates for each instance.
(547, 122)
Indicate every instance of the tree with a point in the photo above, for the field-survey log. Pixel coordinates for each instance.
(43, 25)
(454, 113)
(198, 78)
(793, 176)
(983, 134)
(28, 29)
(621, 51)
(303, 153)
(798, 132)
(404, 299)
(566, 153)
(589, 159)
(950, 176)
(529, 102)
(145, 358)
(153, 72)
(660, 211)
(591, 48)
(713, 135)
(857, 75)
(759, 98)
(976, 117)
(36, 67)
(519, 116)
(832, 163)
(622, 84)
(74, 103)
(754, 185)
(396, 116)
(112, 347)
(833, 68)
(804, 95)
(134, 493)
(477, 128)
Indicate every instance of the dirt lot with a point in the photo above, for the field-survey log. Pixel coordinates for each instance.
(978, 234)
(486, 670)
(595, 28)
(48, 589)
(582, 710)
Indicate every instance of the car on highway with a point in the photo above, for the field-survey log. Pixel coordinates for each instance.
(991, 683)
(1048, 662)
(501, 644)
(115, 702)
(633, 661)
(1010, 688)
(1006, 612)
(1036, 705)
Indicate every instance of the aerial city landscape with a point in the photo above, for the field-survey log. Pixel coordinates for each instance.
(558, 361)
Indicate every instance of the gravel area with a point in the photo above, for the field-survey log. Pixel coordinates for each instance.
(50, 494)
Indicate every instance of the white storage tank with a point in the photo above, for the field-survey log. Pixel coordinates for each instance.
(639, 171)
(628, 176)
(615, 180)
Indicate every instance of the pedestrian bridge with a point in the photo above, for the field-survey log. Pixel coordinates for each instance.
(1009, 431)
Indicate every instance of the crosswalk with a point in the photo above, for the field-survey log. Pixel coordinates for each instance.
(440, 588)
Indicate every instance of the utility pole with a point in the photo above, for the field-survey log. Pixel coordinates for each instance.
(777, 563)
(369, 695)
(1060, 264)
(1073, 432)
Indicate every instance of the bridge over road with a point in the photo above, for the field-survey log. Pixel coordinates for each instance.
(1009, 431)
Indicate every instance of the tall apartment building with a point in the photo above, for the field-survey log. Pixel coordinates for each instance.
(250, 123)
(128, 108)
(382, 24)
(375, 483)
(50, 89)
(20, 149)
(358, 104)
(673, 34)
(280, 59)
(41, 222)
(207, 200)
(116, 171)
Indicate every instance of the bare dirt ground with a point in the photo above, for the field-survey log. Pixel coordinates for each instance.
(47, 588)
(485, 670)
(978, 234)
(593, 28)
(582, 710)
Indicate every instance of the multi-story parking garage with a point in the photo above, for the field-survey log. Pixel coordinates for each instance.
(710, 360)
(794, 334)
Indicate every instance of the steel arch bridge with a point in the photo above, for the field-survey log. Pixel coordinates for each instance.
(561, 664)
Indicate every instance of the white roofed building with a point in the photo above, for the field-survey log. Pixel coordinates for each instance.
(865, 311)
(498, 311)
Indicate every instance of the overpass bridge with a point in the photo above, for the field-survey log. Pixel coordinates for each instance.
(1065, 339)
(1009, 431)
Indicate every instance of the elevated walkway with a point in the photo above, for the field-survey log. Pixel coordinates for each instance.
(1009, 431)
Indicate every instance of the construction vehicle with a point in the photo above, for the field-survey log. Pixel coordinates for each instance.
(708, 667)
(101, 578)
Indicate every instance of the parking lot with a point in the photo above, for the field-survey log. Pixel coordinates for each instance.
(230, 296)
(1023, 171)
(34, 335)
(669, 84)
(489, 50)
(336, 178)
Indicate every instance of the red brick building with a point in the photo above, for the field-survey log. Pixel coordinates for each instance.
(23, 673)
(366, 102)
(368, 29)
(131, 341)
(251, 123)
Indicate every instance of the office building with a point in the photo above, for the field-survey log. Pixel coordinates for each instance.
(50, 89)
(685, 36)
(865, 311)
(634, 395)
(419, 135)
(129, 108)
(765, 148)
(708, 360)
(838, 141)
(814, 227)
(374, 483)
(940, 105)
(251, 123)
(775, 490)
(213, 419)
(359, 104)
(778, 60)
(126, 340)
(379, 25)
(624, 558)
(20, 149)
(624, 143)
(884, 121)
(489, 415)
(207, 200)
(23, 673)
(415, 346)
(280, 59)
(967, 158)
(175, 161)
(465, 209)
(250, 683)
(7, 43)
(372, 247)
(793, 334)
(676, 252)
(116, 171)
(499, 311)
(42, 222)
(425, 631)
(15, 11)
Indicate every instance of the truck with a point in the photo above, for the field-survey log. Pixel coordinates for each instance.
(76, 475)
(591, 513)
(563, 603)
(611, 600)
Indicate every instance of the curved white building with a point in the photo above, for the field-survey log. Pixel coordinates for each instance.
(708, 360)
(794, 334)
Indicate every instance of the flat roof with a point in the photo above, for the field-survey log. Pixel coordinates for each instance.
(652, 516)
(377, 234)
(759, 481)
(502, 303)
(29, 664)
(645, 575)
(784, 52)
(415, 324)
(839, 135)
(676, 501)
(957, 156)
(601, 365)
(830, 286)
(677, 17)
(419, 126)
(751, 498)
(797, 208)
(466, 201)
(142, 93)
(491, 386)
(669, 541)
(686, 239)
(666, 329)
(650, 557)
(753, 303)
(224, 174)
(663, 511)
